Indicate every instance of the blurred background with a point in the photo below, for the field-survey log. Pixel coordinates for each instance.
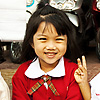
(14, 15)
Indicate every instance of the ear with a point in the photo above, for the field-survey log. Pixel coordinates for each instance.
(32, 45)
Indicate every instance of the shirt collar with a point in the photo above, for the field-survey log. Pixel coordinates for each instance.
(34, 70)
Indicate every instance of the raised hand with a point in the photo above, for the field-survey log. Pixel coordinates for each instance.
(81, 73)
(81, 78)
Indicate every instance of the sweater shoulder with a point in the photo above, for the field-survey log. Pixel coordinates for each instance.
(69, 66)
(22, 68)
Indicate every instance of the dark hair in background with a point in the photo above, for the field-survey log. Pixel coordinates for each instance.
(62, 24)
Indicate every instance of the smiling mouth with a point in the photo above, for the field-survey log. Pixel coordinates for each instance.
(50, 54)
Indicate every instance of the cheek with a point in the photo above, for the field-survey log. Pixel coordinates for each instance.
(63, 48)
(35, 43)
(37, 50)
(38, 47)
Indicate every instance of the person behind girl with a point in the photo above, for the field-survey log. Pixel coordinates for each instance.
(47, 73)
(95, 87)
(4, 89)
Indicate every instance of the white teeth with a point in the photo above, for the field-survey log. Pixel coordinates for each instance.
(50, 54)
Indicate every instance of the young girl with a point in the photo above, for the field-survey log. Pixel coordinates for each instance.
(47, 73)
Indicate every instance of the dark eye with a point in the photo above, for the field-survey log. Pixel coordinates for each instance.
(59, 39)
(42, 39)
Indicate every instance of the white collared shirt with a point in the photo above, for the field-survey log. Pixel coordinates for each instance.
(34, 70)
(95, 87)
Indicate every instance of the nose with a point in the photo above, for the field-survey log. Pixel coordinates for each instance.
(51, 45)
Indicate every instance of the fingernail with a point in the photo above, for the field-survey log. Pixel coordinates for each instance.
(83, 56)
(78, 59)
(80, 65)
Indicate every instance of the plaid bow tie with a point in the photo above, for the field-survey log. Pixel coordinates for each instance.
(44, 79)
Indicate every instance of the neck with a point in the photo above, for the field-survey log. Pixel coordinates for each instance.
(48, 67)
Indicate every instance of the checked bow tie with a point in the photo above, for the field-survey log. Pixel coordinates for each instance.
(44, 79)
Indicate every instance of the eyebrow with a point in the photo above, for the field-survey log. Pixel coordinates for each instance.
(41, 35)
(46, 35)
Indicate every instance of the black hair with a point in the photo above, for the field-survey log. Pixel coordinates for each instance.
(59, 20)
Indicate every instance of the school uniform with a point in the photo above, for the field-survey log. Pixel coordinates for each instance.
(60, 85)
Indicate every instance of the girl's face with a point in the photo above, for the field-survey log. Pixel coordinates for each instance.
(48, 46)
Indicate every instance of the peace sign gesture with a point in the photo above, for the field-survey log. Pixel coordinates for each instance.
(81, 73)
(81, 78)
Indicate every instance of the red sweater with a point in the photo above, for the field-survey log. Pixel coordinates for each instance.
(66, 85)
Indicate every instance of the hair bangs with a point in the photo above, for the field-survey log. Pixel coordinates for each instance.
(57, 22)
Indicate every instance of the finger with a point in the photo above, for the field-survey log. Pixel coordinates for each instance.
(79, 71)
(84, 62)
(79, 61)
(82, 69)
